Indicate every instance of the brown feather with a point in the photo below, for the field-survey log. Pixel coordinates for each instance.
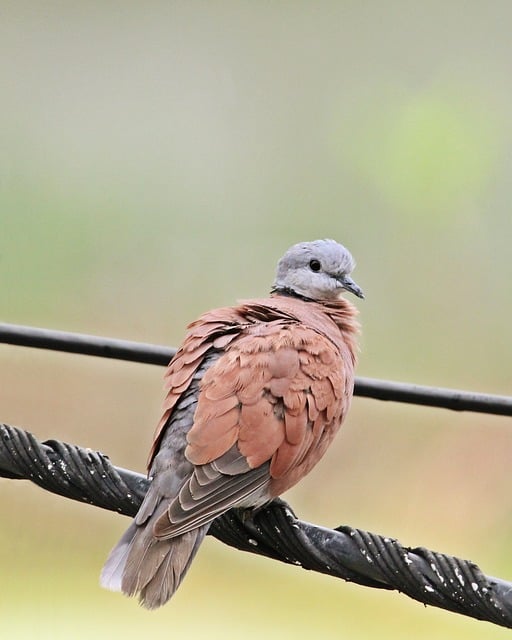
(259, 390)
(280, 360)
(295, 427)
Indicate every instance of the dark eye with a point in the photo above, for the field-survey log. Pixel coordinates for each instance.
(315, 265)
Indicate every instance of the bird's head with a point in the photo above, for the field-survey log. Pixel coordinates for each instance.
(318, 270)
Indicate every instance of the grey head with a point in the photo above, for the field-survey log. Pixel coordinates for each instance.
(318, 270)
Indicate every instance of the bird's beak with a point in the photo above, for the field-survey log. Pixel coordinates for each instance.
(348, 284)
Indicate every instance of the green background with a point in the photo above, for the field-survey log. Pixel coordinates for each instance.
(156, 159)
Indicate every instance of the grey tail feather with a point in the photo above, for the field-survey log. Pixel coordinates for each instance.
(152, 569)
(112, 572)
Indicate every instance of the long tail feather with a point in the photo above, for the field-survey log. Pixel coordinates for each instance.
(152, 569)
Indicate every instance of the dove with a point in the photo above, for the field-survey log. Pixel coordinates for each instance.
(254, 396)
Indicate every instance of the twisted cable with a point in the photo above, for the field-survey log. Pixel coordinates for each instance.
(345, 552)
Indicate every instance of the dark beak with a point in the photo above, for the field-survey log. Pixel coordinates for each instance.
(348, 284)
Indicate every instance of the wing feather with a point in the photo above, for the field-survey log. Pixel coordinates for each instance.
(267, 408)
(207, 494)
(283, 392)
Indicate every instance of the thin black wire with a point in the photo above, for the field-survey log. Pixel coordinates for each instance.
(274, 531)
(159, 355)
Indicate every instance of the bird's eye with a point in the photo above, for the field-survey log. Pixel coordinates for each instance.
(315, 265)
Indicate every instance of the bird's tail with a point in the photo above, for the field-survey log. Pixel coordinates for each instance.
(152, 569)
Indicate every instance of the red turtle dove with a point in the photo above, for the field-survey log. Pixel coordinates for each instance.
(255, 395)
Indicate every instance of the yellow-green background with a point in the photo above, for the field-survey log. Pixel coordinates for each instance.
(156, 158)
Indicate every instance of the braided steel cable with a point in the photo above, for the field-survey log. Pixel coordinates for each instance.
(350, 554)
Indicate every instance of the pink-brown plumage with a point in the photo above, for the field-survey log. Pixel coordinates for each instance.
(255, 395)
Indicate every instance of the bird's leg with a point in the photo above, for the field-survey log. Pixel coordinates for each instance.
(248, 517)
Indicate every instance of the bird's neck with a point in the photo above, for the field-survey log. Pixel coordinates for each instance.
(288, 292)
(340, 311)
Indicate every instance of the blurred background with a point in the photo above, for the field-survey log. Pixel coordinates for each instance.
(156, 159)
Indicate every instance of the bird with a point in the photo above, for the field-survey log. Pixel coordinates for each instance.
(254, 396)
